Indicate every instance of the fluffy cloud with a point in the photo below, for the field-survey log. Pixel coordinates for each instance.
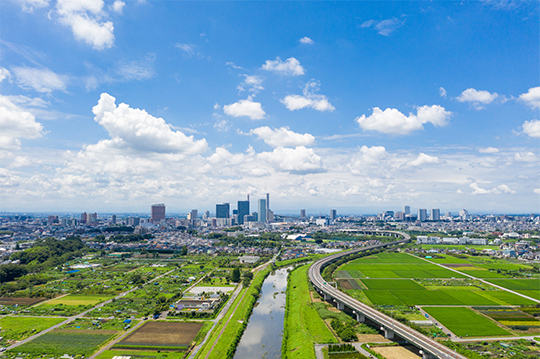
(16, 123)
(392, 121)
(476, 189)
(118, 6)
(525, 157)
(135, 129)
(282, 137)
(310, 99)
(251, 83)
(423, 159)
(532, 97)
(384, 27)
(299, 160)
(290, 67)
(85, 17)
(41, 80)
(245, 108)
(532, 128)
(367, 157)
(306, 41)
(477, 98)
(489, 150)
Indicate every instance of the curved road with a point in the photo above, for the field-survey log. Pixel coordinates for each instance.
(428, 345)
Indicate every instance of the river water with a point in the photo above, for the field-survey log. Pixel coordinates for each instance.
(262, 338)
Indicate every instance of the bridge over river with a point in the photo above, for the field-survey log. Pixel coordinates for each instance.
(430, 348)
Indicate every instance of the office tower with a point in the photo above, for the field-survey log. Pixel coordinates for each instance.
(262, 210)
(223, 210)
(83, 218)
(113, 219)
(333, 214)
(406, 210)
(270, 216)
(464, 214)
(133, 221)
(92, 218)
(243, 210)
(422, 214)
(267, 201)
(194, 214)
(302, 213)
(435, 214)
(158, 212)
(399, 216)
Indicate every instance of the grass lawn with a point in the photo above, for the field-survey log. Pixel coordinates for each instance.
(74, 299)
(396, 284)
(57, 343)
(303, 326)
(17, 328)
(465, 322)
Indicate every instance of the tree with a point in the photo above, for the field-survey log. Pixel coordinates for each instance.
(184, 251)
(235, 276)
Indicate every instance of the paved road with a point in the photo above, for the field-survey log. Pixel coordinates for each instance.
(480, 279)
(403, 331)
(80, 315)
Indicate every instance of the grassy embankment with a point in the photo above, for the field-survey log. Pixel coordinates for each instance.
(303, 327)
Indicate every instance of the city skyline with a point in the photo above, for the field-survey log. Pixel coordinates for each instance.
(111, 106)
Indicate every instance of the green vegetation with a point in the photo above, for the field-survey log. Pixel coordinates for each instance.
(302, 326)
(109, 354)
(60, 342)
(17, 328)
(464, 322)
(74, 299)
(404, 284)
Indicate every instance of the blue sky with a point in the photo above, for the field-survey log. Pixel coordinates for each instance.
(360, 106)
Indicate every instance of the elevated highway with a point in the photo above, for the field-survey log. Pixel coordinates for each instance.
(430, 347)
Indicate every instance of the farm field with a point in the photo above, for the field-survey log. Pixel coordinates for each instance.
(67, 341)
(147, 354)
(166, 335)
(20, 300)
(17, 328)
(465, 322)
(74, 299)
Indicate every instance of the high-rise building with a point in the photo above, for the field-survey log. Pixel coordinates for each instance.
(435, 214)
(243, 210)
(262, 210)
(333, 214)
(158, 212)
(464, 215)
(422, 214)
(223, 210)
(194, 214)
(406, 210)
(113, 219)
(84, 217)
(302, 213)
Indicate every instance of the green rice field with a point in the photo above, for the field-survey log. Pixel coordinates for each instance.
(465, 322)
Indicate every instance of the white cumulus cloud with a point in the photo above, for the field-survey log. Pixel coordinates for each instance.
(40, 79)
(310, 99)
(283, 137)
(137, 130)
(300, 160)
(477, 98)
(290, 67)
(423, 159)
(532, 97)
(118, 6)
(245, 108)
(532, 128)
(85, 17)
(392, 121)
(306, 41)
(16, 123)
(251, 83)
(496, 190)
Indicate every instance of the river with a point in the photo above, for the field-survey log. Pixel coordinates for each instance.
(263, 335)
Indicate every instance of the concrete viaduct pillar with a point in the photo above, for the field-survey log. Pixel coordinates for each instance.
(340, 305)
(427, 355)
(326, 296)
(361, 318)
(388, 334)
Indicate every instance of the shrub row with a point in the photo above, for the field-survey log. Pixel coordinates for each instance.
(344, 331)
